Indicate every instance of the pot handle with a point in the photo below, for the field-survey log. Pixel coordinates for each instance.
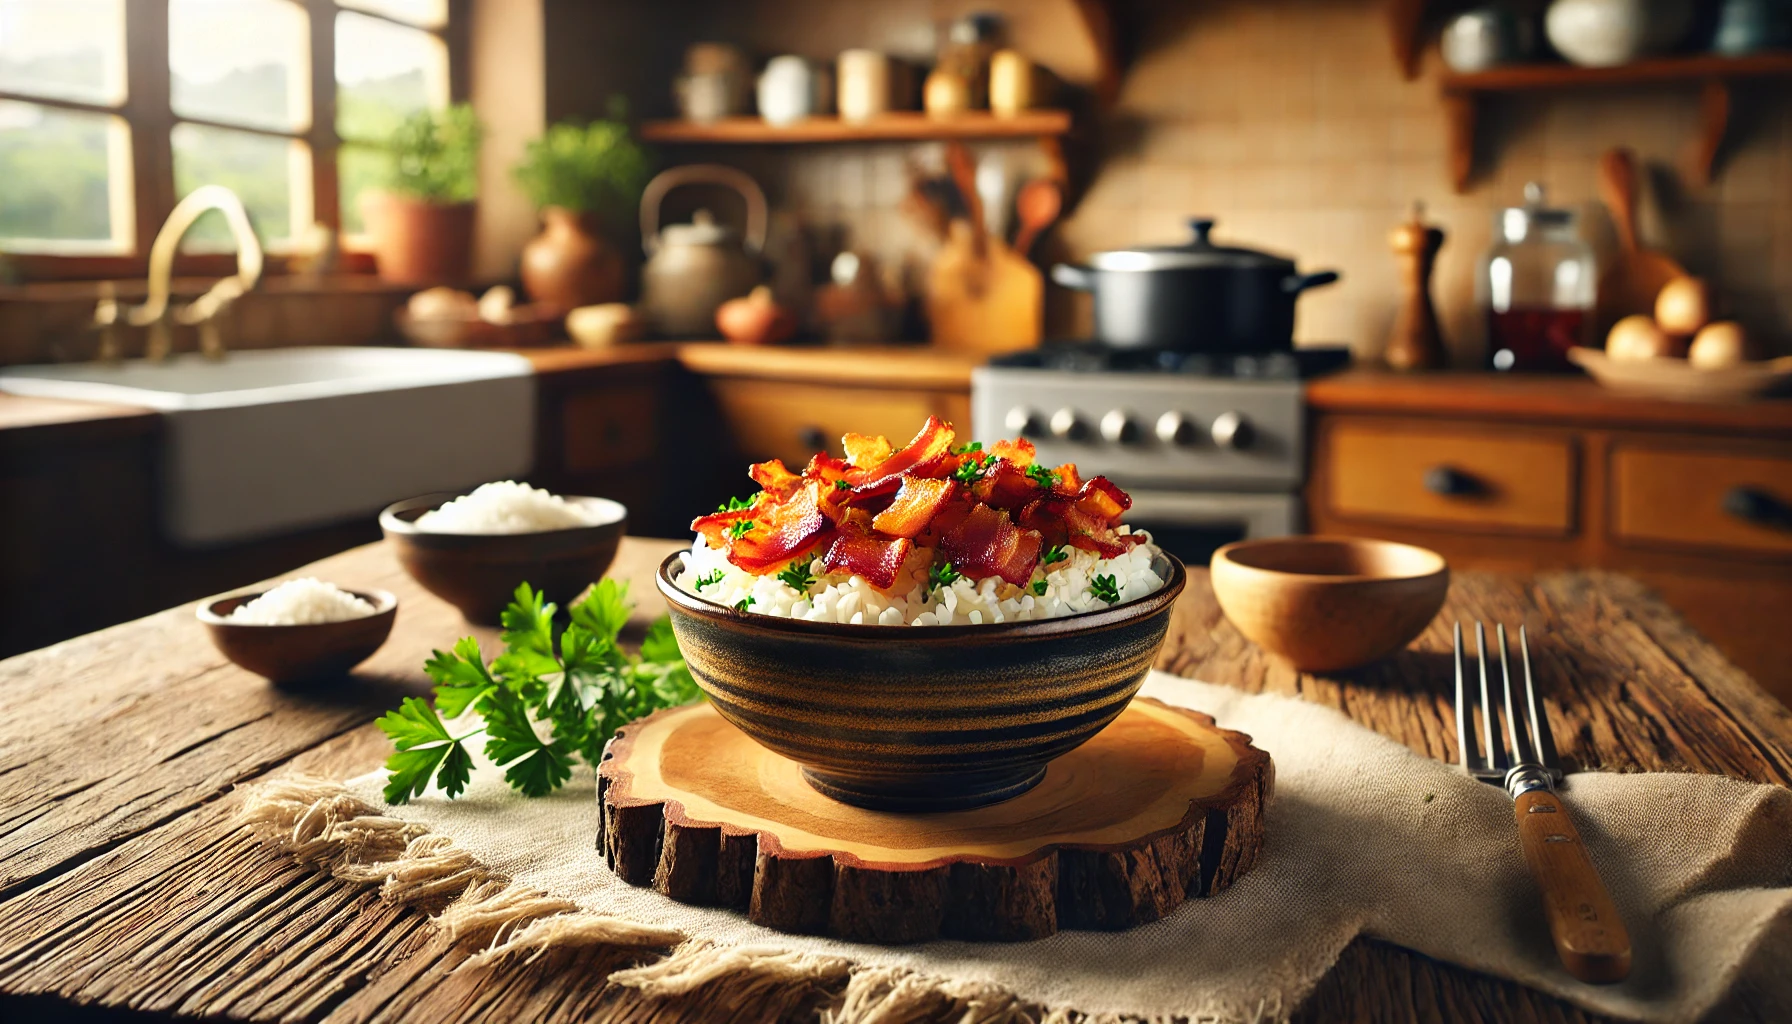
(1080, 279)
(703, 174)
(1294, 284)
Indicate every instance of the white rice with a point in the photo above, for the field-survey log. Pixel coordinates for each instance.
(851, 599)
(504, 507)
(302, 602)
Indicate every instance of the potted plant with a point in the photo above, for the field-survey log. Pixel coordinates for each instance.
(422, 221)
(583, 179)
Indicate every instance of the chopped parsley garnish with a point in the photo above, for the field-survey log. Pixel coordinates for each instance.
(970, 470)
(1043, 476)
(943, 576)
(734, 504)
(744, 603)
(974, 446)
(1106, 588)
(799, 577)
(709, 581)
(741, 527)
(574, 680)
(1055, 553)
(1039, 587)
(841, 485)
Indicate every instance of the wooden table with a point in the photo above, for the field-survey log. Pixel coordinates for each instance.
(125, 884)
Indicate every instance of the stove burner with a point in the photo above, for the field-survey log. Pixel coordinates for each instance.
(1094, 357)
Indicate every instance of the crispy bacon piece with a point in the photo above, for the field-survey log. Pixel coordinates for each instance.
(930, 447)
(1102, 497)
(915, 506)
(715, 526)
(1068, 482)
(1006, 485)
(864, 451)
(987, 543)
(1019, 451)
(780, 532)
(858, 551)
(775, 478)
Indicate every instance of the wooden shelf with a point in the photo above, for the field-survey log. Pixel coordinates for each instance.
(903, 126)
(1463, 93)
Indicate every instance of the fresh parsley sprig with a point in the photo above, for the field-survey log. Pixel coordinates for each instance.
(1043, 476)
(799, 577)
(577, 681)
(1105, 587)
(709, 581)
(741, 527)
(1055, 553)
(735, 504)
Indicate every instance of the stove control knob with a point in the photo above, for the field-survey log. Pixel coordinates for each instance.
(1021, 422)
(1175, 429)
(1065, 425)
(1118, 428)
(1232, 430)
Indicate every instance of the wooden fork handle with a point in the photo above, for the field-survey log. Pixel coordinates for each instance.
(1589, 936)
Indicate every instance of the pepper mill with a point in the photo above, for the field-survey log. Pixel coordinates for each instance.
(1416, 343)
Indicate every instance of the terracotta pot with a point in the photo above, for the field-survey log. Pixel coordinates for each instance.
(417, 242)
(570, 264)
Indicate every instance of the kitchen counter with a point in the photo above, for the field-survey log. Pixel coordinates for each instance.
(32, 421)
(125, 882)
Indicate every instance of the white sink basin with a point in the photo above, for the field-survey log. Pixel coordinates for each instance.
(271, 441)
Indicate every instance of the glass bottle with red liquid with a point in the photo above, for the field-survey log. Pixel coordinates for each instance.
(1537, 284)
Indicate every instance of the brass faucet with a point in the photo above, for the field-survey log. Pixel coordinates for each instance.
(157, 313)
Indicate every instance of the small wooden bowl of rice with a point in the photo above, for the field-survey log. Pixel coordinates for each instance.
(295, 644)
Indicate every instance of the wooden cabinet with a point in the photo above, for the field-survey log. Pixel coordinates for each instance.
(1516, 474)
(792, 421)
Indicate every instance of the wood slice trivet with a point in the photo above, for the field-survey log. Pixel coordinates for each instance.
(1159, 806)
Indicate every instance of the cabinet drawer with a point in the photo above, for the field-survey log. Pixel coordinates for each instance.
(1452, 477)
(789, 421)
(1704, 499)
(608, 428)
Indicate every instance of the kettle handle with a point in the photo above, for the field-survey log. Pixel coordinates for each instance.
(702, 174)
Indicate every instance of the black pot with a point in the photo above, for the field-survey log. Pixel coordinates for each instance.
(1197, 297)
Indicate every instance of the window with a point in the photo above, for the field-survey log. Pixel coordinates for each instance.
(110, 110)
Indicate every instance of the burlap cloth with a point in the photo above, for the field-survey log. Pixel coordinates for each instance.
(1364, 837)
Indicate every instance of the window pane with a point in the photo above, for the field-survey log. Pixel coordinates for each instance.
(428, 13)
(272, 176)
(67, 49)
(358, 168)
(65, 180)
(383, 72)
(241, 61)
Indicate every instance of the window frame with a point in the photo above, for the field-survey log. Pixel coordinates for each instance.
(148, 114)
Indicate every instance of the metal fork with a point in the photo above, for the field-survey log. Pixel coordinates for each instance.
(1589, 936)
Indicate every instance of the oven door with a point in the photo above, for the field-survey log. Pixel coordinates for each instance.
(1192, 525)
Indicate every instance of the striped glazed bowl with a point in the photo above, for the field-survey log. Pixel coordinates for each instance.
(921, 718)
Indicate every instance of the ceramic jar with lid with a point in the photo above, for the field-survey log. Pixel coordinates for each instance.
(790, 89)
(863, 84)
(1606, 33)
(1537, 286)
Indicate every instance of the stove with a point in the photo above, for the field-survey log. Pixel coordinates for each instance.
(1211, 448)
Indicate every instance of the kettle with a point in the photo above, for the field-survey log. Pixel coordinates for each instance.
(693, 268)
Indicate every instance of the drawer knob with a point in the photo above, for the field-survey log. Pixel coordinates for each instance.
(1757, 506)
(1450, 482)
(812, 438)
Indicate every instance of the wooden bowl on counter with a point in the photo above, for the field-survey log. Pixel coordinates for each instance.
(479, 572)
(1329, 603)
(920, 718)
(293, 654)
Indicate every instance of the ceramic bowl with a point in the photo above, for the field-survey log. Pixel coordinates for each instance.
(920, 718)
(1329, 603)
(478, 572)
(292, 654)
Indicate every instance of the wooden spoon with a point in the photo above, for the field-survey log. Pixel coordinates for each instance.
(1631, 284)
(964, 175)
(1037, 206)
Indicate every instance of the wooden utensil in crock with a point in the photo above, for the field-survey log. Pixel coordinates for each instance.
(293, 654)
(1329, 603)
(920, 718)
(479, 572)
(1636, 277)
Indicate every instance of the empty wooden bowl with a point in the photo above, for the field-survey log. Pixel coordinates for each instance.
(1329, 603)
(292, 654)
(920, 718)
(479, 572)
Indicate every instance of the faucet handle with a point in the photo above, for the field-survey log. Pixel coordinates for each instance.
(108, 320)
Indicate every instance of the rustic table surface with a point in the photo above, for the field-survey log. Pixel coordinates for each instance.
(125, 886)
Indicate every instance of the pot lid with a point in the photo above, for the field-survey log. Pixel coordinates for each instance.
(1198, 252)
(702, 230)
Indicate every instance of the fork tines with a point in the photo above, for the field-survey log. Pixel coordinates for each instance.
(1528, 740)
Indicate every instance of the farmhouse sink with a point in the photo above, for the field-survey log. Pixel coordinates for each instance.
(271, 441)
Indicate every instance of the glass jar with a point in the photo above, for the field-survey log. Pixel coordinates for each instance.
(1536, 286)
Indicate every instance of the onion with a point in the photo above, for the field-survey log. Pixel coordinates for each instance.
(1683, 306)
(1719, 345)
(1636, 338)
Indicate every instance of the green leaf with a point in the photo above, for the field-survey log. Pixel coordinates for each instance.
(528, 637)
(604, 609)
(535, 767)
(422, 745)
(660, 644)
(461, 677)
